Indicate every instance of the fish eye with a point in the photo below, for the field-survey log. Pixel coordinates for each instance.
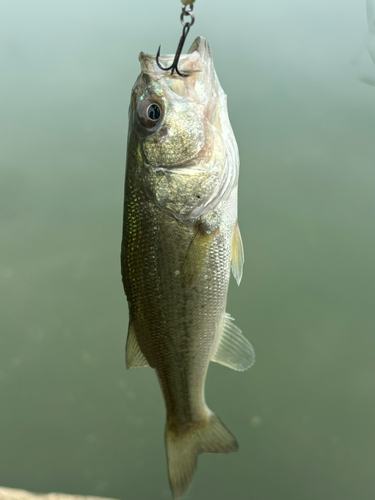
(150, 113)
(153, 112)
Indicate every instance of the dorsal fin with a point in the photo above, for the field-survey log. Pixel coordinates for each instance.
(134, 355)
(233, 350)
(238, 256)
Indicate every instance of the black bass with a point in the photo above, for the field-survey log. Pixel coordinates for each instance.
(180, 239)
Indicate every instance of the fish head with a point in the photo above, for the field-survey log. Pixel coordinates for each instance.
(182, 128)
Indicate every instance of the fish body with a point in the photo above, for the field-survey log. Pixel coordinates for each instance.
(180, 238)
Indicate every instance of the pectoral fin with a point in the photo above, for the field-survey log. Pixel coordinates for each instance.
(238, 256)
(134, 355)
(234, 350)
(196, 255)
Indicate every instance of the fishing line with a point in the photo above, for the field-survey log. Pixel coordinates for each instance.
(367, 44)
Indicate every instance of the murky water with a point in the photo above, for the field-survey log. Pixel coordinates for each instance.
(72, 419)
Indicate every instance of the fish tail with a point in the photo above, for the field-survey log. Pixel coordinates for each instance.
(186, 443)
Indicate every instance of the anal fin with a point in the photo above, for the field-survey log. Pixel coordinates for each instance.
(233, 350)
(238, 255)
(134, 356)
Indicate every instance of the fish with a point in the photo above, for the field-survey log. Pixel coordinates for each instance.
(180, 240)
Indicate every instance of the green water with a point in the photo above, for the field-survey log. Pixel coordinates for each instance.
(72, 419)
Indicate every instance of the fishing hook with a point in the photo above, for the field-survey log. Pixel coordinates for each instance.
(185, 31)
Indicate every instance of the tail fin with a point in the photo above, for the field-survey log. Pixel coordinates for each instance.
(184, 446)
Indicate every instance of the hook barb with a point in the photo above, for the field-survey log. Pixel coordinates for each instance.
(158, 63)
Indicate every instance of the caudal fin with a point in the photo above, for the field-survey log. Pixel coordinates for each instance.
(184, 446)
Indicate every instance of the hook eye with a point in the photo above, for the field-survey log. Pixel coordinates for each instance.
(187, 13)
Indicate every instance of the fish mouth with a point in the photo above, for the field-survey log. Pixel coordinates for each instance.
(199, 56)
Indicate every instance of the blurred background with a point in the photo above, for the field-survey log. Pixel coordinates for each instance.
(72, 419)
